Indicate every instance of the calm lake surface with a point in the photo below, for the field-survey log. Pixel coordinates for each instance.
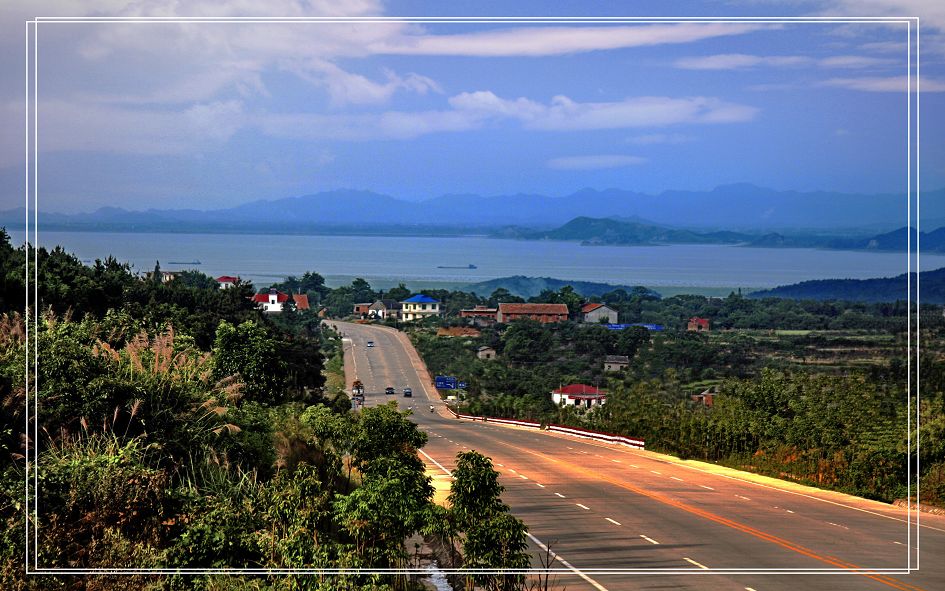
(384, 260)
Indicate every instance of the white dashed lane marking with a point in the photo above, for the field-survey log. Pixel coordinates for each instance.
(655, 472)
(706, 487)
(561, 495)
(691, 561)
(649, 539)
(585, 507)
(679, 479)
(541, 485)
(612, 521)
(838, 525)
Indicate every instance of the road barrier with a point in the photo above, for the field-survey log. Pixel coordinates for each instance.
(633, 442)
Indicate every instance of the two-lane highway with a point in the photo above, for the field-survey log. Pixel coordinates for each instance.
(662, 522)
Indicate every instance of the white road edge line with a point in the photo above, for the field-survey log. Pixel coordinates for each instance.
(438, 465)
(691, 561)
(706, 487)
(649, 539)
(567, 564)
(612, 521)
(538, 542)
(539, 484)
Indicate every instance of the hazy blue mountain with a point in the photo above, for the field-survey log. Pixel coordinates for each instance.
(527, 287)
(599, 231)
(729, 207)
(886, 289)
(610, 231)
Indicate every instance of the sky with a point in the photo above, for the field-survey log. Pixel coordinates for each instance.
(211, 115)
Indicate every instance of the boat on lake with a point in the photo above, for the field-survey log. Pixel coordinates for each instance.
(469, 266)
(184, 262)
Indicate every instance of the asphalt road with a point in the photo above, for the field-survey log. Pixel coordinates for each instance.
(666, 524)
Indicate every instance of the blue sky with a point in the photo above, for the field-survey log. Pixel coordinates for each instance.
(212, 115)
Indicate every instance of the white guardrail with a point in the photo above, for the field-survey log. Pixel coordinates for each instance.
(573, 431)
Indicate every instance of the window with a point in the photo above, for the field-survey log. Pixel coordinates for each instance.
(423, 306)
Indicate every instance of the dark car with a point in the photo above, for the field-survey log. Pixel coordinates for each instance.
(370, 343)
(408, 393)
(389, 390)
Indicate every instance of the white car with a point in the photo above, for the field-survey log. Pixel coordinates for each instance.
(370, 343)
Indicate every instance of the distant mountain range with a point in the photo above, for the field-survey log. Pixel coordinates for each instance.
(729, 207)
(887, 289)
(595, 231)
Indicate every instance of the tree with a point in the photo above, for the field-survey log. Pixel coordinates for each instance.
(493, 538)
(399, 293)
(248, 352)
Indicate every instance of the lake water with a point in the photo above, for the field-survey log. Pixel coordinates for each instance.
(384, 260)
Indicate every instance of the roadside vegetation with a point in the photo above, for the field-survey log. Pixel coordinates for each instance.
(178, 426)
(815, 392)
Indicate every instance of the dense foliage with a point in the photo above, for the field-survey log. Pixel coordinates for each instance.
(826, 407)
(178, 426)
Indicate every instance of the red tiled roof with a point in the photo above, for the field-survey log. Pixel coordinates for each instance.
(301, 301)
(697, 320)
(263, 298)
(533, 309)
(227, 279)
(590, 307)
(580, 389)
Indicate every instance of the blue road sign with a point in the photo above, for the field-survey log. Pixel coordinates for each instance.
(445, 382)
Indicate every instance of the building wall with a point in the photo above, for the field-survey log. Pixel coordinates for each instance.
(595, 316)
(416, 311)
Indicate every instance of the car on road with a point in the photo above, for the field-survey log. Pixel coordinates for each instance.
(370, 343)
(408, 393)
(389, 390)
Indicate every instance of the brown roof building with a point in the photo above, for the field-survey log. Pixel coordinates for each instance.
(545, 313)
(697, 324)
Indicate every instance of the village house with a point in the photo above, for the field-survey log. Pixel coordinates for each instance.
(580, 395)
(485, 352)
(361, 310)
(597, 313)
(227, 281)
(271, 301)
(419, 307)
(697, 324)
(706, 398)
(480, 315)
(166, 276)
(616, 362)
(383, 309)
(544, 313)
(301, 301)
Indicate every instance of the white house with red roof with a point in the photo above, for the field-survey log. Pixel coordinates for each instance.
(580, 395)
(597, 312)
(272, 301)
(227, 281)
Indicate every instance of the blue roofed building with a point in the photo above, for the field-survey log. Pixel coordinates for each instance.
(418, 307)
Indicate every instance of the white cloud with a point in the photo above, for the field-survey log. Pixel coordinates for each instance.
(557, 40)
(734, 61)
(476, 110)
(856, 61)
(885, 84)
(564, 114)
(349, 88)
(738, 61)
(595, 162)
